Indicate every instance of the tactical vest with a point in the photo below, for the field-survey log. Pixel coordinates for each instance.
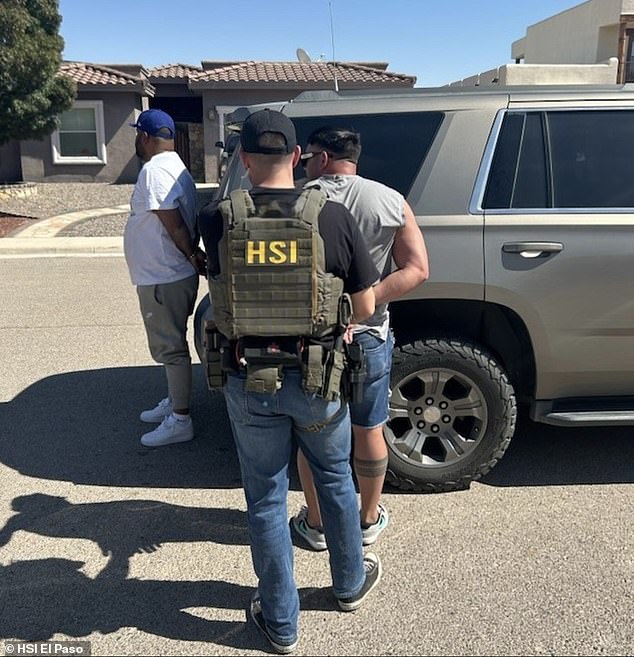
(273, 280)
(273, 283)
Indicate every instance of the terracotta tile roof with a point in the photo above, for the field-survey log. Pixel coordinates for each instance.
(174, 71)
(303, 74)
(96, 74)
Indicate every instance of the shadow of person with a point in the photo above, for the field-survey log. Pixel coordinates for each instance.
(50, 596)
(124, 528)
(95, 439)
(46, 597)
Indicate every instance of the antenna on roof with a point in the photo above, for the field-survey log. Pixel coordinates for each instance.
(332, 38)
(303, 56)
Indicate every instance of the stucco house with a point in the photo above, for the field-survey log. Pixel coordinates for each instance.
(95, 143)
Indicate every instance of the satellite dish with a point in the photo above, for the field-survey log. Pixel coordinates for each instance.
(303, 56)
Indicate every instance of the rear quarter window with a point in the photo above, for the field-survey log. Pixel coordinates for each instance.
(563, 159)
(394, 146)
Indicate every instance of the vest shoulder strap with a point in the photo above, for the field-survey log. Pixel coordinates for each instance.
(309, 205)
(237, 206)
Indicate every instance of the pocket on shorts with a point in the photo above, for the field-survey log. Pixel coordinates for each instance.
(378, 355)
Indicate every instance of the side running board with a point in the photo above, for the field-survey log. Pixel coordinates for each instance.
(587, 418)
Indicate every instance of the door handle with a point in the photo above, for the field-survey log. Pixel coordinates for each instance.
(533, 249)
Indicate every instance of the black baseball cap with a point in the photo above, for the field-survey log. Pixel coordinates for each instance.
(264, 121)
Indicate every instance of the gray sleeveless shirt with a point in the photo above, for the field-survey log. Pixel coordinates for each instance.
(378, 210)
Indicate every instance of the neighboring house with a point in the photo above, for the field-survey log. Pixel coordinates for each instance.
(95, 143)
(590, 43)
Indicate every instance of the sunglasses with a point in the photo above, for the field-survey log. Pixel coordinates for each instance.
(304, 157)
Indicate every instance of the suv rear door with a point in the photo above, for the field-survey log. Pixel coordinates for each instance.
(558, 199)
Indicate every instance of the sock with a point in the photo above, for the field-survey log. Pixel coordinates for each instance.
(180, 417)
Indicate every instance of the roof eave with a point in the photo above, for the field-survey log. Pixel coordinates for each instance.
(288, 84)
(141, 89)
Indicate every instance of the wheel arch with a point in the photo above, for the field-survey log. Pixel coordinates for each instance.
(496, 328)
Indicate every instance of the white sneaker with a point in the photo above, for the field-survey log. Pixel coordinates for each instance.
(371, 532)
(169, 431)
(158, 413)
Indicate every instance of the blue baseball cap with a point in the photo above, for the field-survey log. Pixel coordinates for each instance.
(156, 123)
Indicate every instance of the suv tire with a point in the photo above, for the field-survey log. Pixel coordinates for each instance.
(452, 415)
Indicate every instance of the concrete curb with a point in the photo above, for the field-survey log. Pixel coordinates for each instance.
(39, 239)
(53, 225)
(24, 247)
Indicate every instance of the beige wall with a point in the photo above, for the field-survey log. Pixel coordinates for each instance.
(529, 74)
(585, 34)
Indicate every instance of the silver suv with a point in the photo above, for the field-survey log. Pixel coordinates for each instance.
(526, 200)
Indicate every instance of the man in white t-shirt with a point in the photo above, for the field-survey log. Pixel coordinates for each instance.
(161, 248)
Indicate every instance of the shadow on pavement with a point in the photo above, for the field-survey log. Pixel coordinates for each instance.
(543, 455)
(76, 605)
(84, 427)
(123, 528)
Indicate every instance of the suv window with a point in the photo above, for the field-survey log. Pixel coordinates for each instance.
(394, 145)
(563, 159)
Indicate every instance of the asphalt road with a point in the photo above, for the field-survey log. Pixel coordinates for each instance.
(145, 551)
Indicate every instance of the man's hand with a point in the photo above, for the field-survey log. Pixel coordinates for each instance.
(199, 261)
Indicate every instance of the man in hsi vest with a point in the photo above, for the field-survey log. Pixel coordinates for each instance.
(282, 264)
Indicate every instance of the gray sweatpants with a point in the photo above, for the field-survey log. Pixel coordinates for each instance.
(165, 309)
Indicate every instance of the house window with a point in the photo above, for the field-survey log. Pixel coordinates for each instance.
(80, 138)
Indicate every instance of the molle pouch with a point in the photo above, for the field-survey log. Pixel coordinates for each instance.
(313, 369)
(263, 378)
(212, 343)
(334, 371)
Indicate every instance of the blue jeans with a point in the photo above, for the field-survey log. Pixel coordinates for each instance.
(263, 428)
(373, 409)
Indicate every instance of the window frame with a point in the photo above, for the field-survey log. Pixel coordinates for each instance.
(100, 133)
(476, 205)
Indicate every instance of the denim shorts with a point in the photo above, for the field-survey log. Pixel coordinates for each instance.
(373, 410)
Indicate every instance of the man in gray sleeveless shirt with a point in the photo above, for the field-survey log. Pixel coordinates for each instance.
(397, 248)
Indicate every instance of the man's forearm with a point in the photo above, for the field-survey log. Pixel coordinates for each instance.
(177, 229)
(397, 284)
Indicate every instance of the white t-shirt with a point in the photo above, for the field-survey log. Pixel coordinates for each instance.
(163, 184)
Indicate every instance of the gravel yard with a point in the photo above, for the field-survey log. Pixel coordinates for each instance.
(109, 226)
(52, 199)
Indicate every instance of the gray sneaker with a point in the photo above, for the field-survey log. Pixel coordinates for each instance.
(373, 573)
(169, 431)
(255, 611)
(314, 537)
(371, 532)
(158, 413)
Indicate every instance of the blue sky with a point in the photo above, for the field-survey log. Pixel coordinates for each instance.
(437, 41)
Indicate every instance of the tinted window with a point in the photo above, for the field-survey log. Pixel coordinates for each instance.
(592, 156)
(394, 146)
(518, 172)
(575, 159)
